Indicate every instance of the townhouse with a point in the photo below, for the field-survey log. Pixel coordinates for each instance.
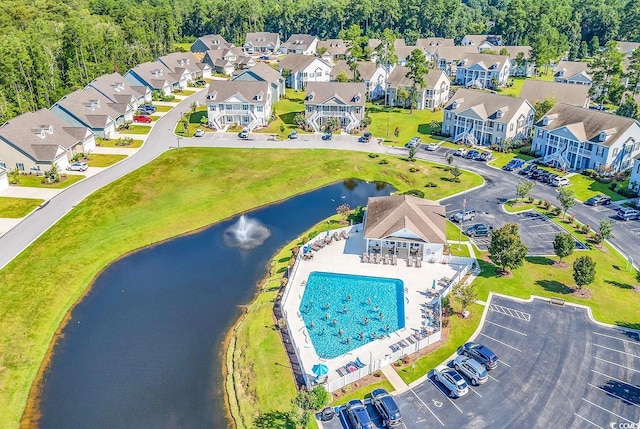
(434, 94)
(186, 64)
(303, 44)
(483, 70)
(155, 76)
(262, 72)
(482, 118)
(299, 70)
(119, 90)
(336, 49)
(575, 72)
(264, 42)
(574, 138)
(523, 68)
(238, 102)
(634, 180)
(373, 76)
(210, 42)
(34, 141)
(227, 60)
(538, 90)
(482, 41)
(446, 58)
(341, 100)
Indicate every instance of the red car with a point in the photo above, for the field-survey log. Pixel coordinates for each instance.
(142, 118)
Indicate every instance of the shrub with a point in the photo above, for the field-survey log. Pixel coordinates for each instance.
(413, 170)
(346, 389)
(612, 186)
(374, 155)
(431, 185)
(590, 173)
(415, 193)
(378, 373)
(383, 162)
(628, 193)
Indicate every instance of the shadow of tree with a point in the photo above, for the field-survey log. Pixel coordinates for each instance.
(195, 118)
(424, 129)
(554, 286)
(288, 118)
(619, 284)
(624, 392)
(274, 420)
(487, 270)
(285, 259)
(539, 260)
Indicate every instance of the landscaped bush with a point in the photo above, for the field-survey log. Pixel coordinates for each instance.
(374, 155)
(628, 193)
(431, 185)
(415, 192)
(413, 170)
(383, 162)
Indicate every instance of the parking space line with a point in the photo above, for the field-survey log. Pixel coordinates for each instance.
(504, 327)
(504, 363)
(423, 403)
(612, 377)
(604, 409)
(445, 395)
(615, 396)
(474, 391)
(494, 379)
(618, 351)
(620, 339)
(588, 421)
(616, 364)
(498, 341)
(510, 312)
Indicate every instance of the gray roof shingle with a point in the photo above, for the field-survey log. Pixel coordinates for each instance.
(91, 107)
(485, 104)
(398, 78)
(222, 90)
(537, 90)
(349, 93)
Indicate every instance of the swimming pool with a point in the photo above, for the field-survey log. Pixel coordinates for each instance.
(343, 312)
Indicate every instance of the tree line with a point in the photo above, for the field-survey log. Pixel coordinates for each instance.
(50, 48)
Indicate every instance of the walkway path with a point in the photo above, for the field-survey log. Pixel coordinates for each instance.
(398, 383)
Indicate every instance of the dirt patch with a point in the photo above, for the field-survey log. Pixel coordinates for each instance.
(636, 289)
(486, 258)
(581, 293)
(602, 248)
(560, 265)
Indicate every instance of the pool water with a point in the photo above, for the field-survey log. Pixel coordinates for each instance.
(343, 312)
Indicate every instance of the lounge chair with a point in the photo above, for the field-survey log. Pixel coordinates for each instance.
(359, 363)
(394, 347)
(410, 261)
(386, 260)
(351, 367)
(342, 371)
(411, 339)
(344, 234)
(378, 258)
(365, 257)
(418, 263)
(394, 260)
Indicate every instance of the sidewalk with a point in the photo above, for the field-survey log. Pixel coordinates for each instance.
(29, 192)
(398, 384)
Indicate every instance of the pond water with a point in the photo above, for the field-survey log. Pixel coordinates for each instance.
(143, 348)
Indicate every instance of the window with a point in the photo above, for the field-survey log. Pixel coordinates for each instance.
(246, 119)
(228, 107)
(259, 108)
(510, 127)
(212, 107)
(20, 166)
(229, 119)
(539, 132)
(3, 165)
(357, 110)
(500, 127)
(245, 107)
(615, 152)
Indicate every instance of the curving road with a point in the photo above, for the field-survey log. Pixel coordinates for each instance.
(161, 138)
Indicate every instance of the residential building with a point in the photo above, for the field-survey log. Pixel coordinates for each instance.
(303, 44)
(536, 91)
(263, 72)
(299, 70)
(575, 72)
(238, 102)
(403, 53)
(483, 71)
(210, 42)
(522, 68)
(446, 58)
(434, 94)
(155, 76)
(373, 76)
(4, 179)
(482, 118)
(187, 65)
(262, 42)
(401, 50)
(34, 141)
(337, 49)
(405, 226)
(89, 108)
(342, 100)
(634, 180)
(226, 60)
(627, 48)
(574, 138)
(430, 43)
(119, 90)
(482, 41)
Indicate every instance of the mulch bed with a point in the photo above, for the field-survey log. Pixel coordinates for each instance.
(561, 265)
(581, 293)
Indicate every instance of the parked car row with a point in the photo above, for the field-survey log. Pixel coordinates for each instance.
(384, 404)
(626, 213)
(471, 365)
(531, 171)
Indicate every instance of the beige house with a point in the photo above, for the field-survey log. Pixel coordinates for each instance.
(261, 42)
(405, 226)
(119, 90)
(336, 49)
(482, 41)
(326, 100)
(574, 72)
(34, 141)
(483, 71)
(303, 44)
(238, 102)
(433, 95)
(536, 91)
(482, 118)
(373, 76)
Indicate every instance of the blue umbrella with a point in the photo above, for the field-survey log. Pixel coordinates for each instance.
(434, 284)
(320, 369)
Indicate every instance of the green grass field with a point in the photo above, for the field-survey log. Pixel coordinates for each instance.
(163, 108)
(514, 90)
(36, 181)
(203, 186)
(585, 187)
(513, 206)
(134, 143)
(384, 121)
(17, 207)
(104, 160)
(286, 110)
(136, 129)
(363, 392)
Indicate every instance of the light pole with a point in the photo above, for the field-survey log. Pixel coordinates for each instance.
(179, 138)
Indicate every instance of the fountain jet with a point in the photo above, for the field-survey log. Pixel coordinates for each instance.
(246, 234)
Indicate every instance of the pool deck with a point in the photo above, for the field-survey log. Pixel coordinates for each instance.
(344, 257)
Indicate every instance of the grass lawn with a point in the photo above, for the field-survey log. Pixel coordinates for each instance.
(136, 129)
(104, 160)
(363, 392)
(193, 123)
(17, 207)
(585, 187)
(36, 181)
(513, 206)
(514, 90)
(461, 330)
(384, 121)
(163, 108)
(502, 159)
(185, 92)
(134, 143)
(199, 184)
(286, 109)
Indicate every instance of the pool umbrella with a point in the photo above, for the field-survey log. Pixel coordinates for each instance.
(434, 284)
(320, 369)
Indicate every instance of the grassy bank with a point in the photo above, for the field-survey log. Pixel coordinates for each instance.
(17, 207)
(104, 160)
(176, 193)
(36, 181)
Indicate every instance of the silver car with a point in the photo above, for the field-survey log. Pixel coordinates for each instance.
(452, 380)
(77, 166)
(471, 369)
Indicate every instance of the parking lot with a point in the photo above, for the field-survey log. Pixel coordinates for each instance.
(546, 377)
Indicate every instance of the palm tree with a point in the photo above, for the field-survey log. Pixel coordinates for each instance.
(352, 62)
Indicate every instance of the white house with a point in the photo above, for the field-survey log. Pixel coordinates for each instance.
(524, 68)
(341, 100)
(634, 180)
(574, 138)
(433, 95)
(119, 90)
(185, 63)
(482, 118)
(209, 42)
(482, 41)
(299, 70)
(155, 76)
(262, 42)
(34, 141)
(373, 76)
(303, 44)
(574, 72)
(89, 108)
(446, 57)
(238, 102)
(266, 73)
(226, 60)
(483, 71)
(336, 49)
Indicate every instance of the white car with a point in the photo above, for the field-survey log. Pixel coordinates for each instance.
(431, 146)
(78, 166)
(414, 142)
(460, 152)
(199, 133)
(471, 369)
(451, 380)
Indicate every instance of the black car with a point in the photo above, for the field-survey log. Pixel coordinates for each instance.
(293, 135)
(201, 82)
(528, 168)
(358, 415)
(482, 354)
(597, 200)
(387, 407)
(366, 137)
(478, 230)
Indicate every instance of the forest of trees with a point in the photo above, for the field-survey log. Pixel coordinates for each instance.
(49, 48)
